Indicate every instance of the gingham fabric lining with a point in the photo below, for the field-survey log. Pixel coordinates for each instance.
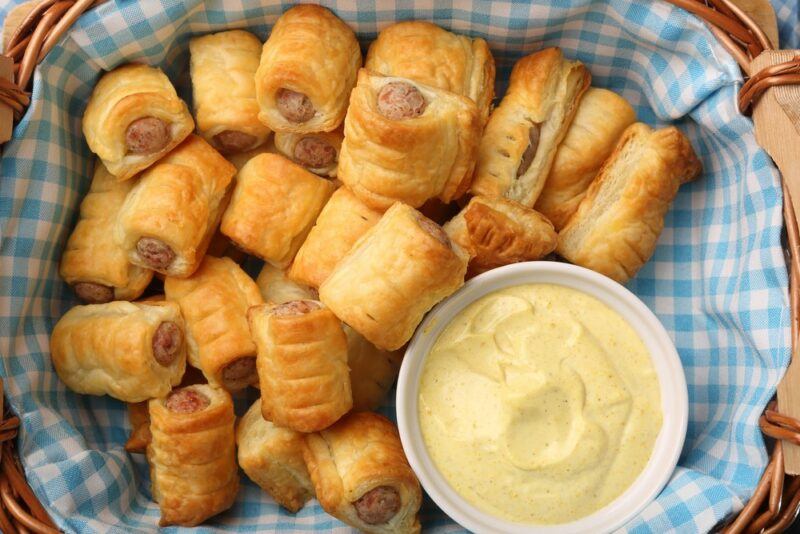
(717, 280)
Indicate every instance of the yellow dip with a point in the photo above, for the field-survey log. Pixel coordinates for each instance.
(539, 404)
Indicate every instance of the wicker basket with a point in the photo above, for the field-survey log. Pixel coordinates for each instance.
(775, 503)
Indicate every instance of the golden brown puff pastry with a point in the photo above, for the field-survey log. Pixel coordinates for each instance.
(393, 275)
(302, 364)
(192, 454)
(276, 288)
(617, 224)
(342, 221)
(274, 205)
(272, 457)
(520, 141)
(317, 152)
(223, 69)
(407, 142)
(361, 475)
(130, 351)
(372, 371)
(241, 158)
(308, 68)
(601, 118)
(139, 418)
(496, 231)
(171, 214)
(424, 52)
(133, 118)
(214, 302)
(93, 263)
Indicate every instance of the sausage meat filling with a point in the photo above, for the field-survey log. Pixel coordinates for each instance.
(187, 401)
(295, 307)
(239, 373)
(400, 100)
(530, 153)
(146, 135)
(294, 106)
(231, 141)
(93, 293)
(314, 153)
(378, 505)
(155, 252)
(436, 231)
(167, 341)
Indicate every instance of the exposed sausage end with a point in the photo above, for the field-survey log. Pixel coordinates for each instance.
(232, 141)
(239, 373)
(146, 135)
(156, 253)
(378, 505)
(93, 293)
(534, 133)
(295, 307)
(400, 100)
(295, 107)
(167, 341)
(314, 152)
(186, 401)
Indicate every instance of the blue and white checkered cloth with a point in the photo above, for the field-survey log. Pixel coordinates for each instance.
(717, 281)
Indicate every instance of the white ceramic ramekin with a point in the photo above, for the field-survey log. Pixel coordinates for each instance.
(674, 400)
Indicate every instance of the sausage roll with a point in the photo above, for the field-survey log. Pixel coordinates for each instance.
(214, 303)
(601, 118)
(393, 275)
(93, 263)
(274, 205)
(424, 52)
(407, 142)
(361, 475)
(223, 68)
(171, 214)
(519, 145)
(130, 351)
(343, 220)
(192, 454)
(317, 152)
(308, 68)
(372, 371)
(272, 457)
(276, 288)
(302, 364)
(139, 418)
(615, 229)
(133, 118)
(496, 231)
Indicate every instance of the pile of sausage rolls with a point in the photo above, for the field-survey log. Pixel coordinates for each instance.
(370, 194)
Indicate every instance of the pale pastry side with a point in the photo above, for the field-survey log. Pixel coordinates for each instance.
(129, 351)
(192, 454)
(342, 221)
(429, 54)
(170, 215)
(214, 302)
(273, 207)
(407, 142)
(497, 231)
(277, 288)
(372, 371)
(397, 271)
(272, 457)
(307, 69)
(601, 118)
(618, 222)
(93, 263)
(223, 67)
(302, 364)
(523, 133)
(361, 475)
(134, 117)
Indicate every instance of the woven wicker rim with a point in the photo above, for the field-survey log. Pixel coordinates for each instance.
(776, 501)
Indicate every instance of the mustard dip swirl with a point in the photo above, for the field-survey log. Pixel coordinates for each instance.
(539, 404)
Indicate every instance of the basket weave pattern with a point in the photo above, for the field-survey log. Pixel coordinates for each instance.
(776, 501)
